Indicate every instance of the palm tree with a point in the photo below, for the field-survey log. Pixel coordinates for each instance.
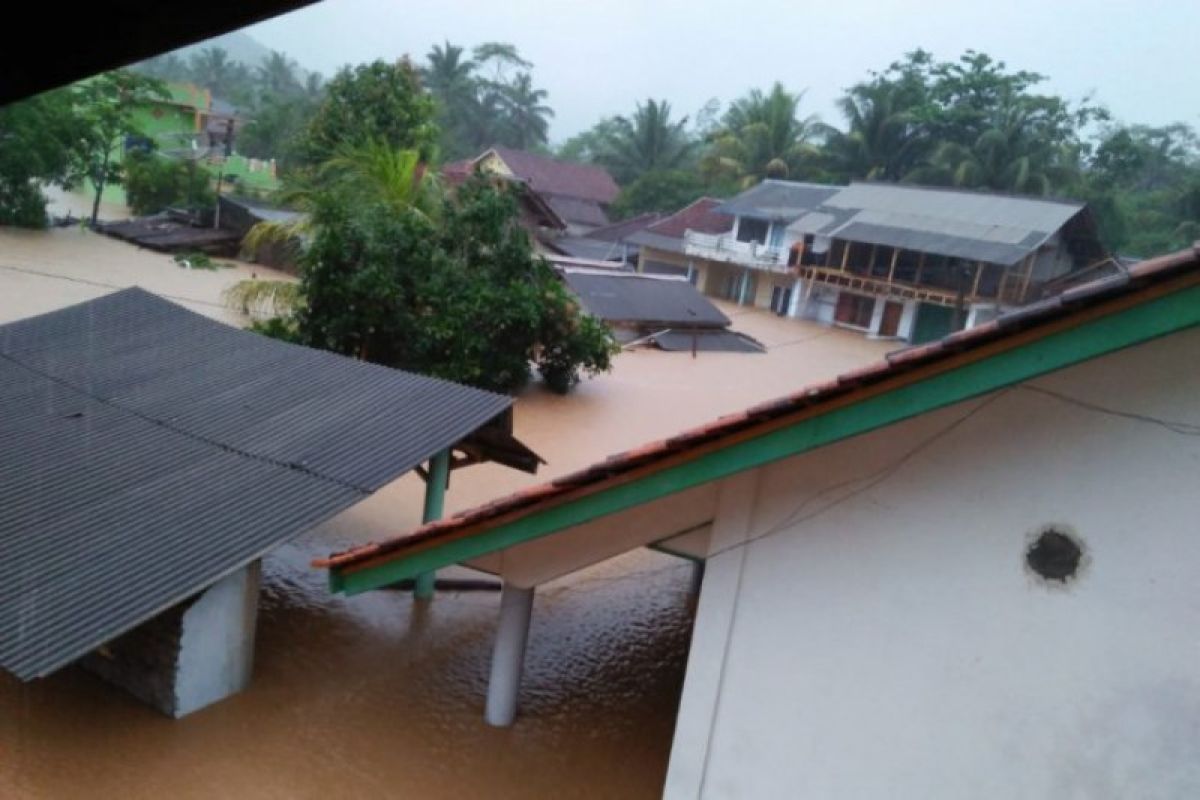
(450, 78)
(883, 140)
(1009, 155)
(212, 69)
(762, 135)
(525, 115)
(277, 75)
(648, 142)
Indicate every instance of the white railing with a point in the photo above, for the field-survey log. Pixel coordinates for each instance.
(723, 247)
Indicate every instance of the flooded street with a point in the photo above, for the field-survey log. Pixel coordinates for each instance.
(378, 696)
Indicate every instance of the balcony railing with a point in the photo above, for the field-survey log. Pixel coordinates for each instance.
(723, 247)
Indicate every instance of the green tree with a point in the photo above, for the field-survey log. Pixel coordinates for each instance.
(212, 69)
(276, 76)
(883, 140)
(648, 141)
(371, 102)
(104, 107)
(152, 183)
(662, 190)
(763, 136)
(37, 140)
(526, 115)
(450, 78)
(404, 289)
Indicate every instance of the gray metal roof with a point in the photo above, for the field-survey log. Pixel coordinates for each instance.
(980, 226)
(584, 247)
(778, 200)
(146, 451)
(722, 341)
(644, 299)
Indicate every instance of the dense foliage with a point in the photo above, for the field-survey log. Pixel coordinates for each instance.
(458, 295)
(36, 139)
(152, 183)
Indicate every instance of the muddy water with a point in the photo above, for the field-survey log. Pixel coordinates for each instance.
(376, 696)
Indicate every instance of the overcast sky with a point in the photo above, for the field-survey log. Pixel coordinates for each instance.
(1141, 59)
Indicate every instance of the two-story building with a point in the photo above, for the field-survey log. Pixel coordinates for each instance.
(896, 261)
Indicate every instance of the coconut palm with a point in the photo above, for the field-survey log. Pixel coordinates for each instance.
(276, 75)
(762, 135)
(212, 69)
(526, 118)
(649, 141)
(883, 140)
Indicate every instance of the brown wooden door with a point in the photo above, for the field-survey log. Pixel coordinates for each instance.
(890, 324)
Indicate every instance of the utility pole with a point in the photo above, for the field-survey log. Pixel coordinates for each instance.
(221, 170)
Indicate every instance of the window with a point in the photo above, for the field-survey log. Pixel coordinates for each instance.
(752, 230)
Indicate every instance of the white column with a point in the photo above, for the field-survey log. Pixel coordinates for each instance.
(508, 656)
(793, 309)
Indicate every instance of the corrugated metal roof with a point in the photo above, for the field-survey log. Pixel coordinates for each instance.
(146, 451)
(778, 200)
(719, 341)
(980, 226)
(644, 299)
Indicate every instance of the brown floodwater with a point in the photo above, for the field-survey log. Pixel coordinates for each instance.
(379, 696)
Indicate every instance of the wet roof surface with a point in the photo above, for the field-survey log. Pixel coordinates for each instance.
(644, 299)
(652, 454)
(146, 451)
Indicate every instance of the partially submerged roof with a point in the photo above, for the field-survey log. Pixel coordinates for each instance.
(979, 226)
(1152, 299)
(646, 300)
(777, 200)
(552, 176)
(147, 451)
(667, 234)
(705, 341)
(168, 234)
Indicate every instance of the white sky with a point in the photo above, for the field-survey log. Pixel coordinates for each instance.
(1141, 58)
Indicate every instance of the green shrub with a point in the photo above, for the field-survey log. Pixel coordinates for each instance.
(152, 183)
(22, 204)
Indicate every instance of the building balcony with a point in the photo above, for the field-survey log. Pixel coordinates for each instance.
(723, 247)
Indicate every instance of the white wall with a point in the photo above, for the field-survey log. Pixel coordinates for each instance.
(216, 649)
(886, 640)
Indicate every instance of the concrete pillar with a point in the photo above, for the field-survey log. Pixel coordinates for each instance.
(508, 656)
(192, 655)
(697, 578)
(435, 497)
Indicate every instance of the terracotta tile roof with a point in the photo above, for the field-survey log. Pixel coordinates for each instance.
(699, 216)
(1136, 279)
(544, 174)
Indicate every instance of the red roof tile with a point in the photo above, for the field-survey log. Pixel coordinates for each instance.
(698, 216)
(589, 478)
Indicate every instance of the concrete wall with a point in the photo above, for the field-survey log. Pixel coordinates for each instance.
(882, 636)
(192, 655)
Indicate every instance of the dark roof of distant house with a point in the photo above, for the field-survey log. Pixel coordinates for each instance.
(979, 226)
(549, 175)
(575, 209)
(711, 341)
(149, 451)
(619, 231)
(589, 248)
(630, 297)
(667, 233)
(1145, 282)
(777, 200)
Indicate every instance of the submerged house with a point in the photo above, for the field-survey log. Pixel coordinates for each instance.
(662, 243)
(663, 310)
(153, 456)
(579, 194)
(893, 260)
(965, 571)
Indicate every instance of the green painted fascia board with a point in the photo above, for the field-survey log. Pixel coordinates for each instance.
(1152, 319)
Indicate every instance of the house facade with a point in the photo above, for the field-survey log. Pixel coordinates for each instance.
(661, 246)
(965, 571)
(892, 260)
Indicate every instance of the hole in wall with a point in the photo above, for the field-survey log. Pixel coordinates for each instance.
(1054, 555)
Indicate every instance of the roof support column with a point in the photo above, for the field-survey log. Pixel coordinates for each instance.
(435, 497)
(508, 656)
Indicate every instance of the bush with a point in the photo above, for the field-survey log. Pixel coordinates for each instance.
(152, 183)
(22, 204)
